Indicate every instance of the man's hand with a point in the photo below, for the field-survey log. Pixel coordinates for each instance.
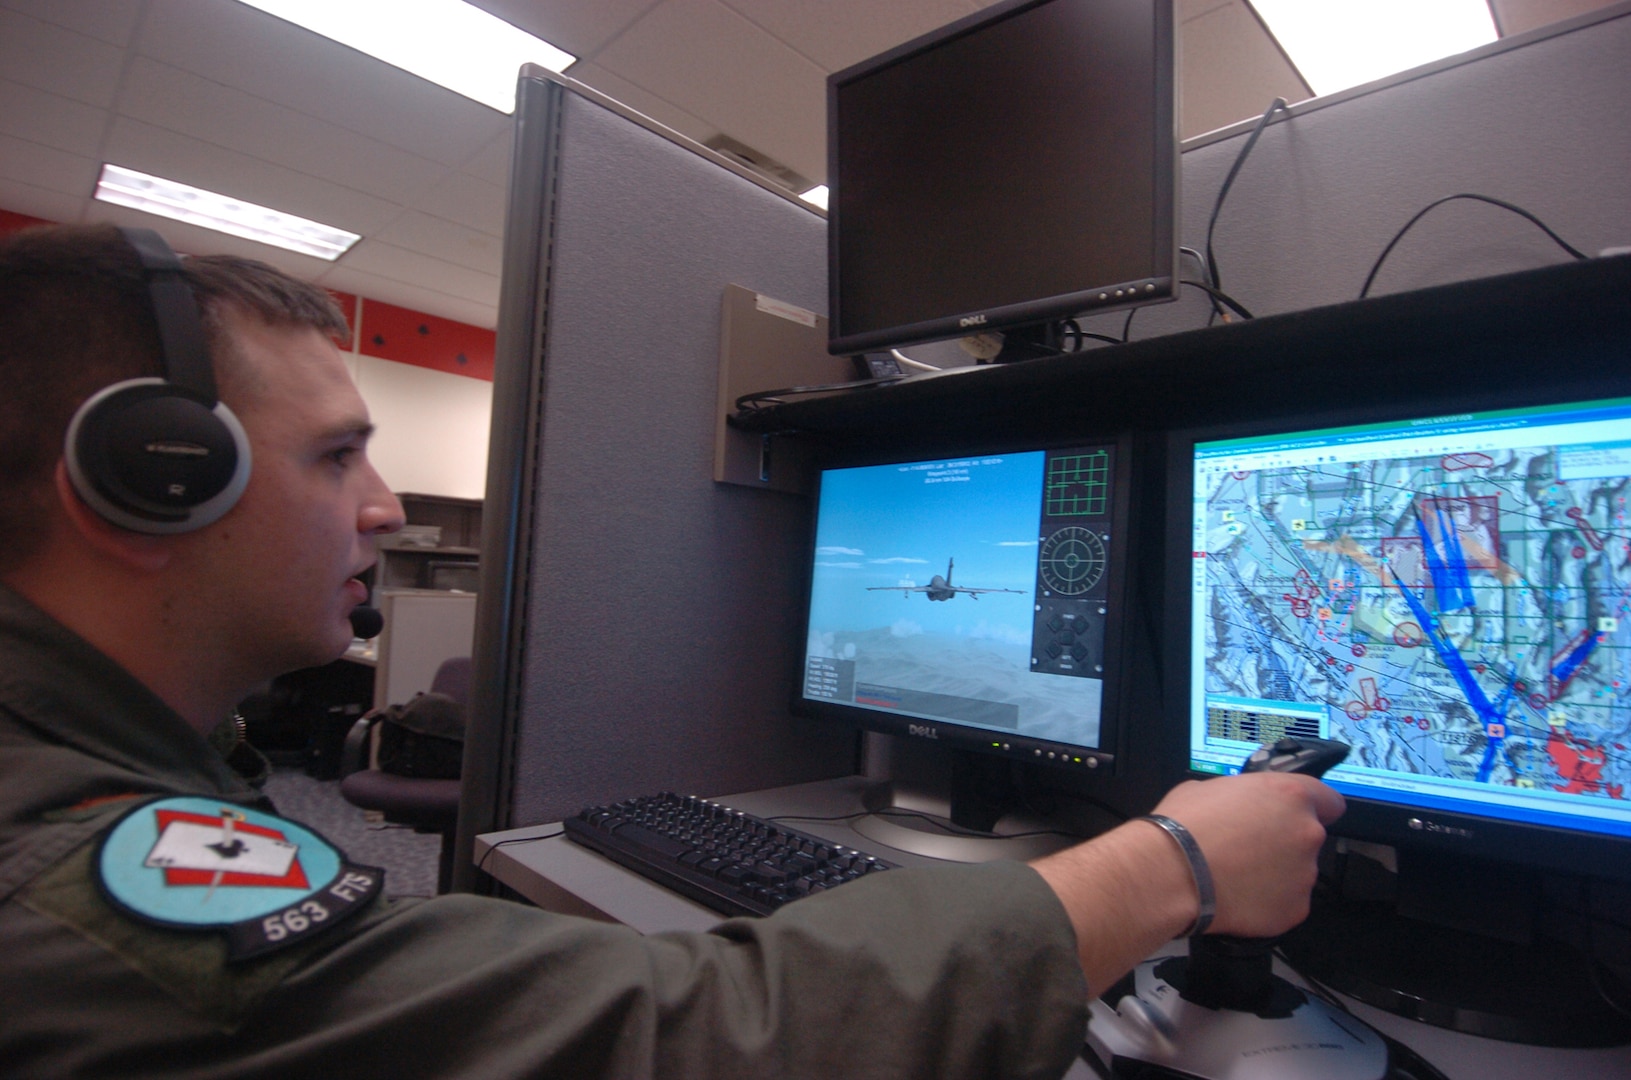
(1129, 891)
(1261, 835)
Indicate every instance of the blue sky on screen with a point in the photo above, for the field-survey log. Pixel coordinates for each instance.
(900, 524)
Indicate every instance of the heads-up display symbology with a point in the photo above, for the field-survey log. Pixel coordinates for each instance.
(961, 597)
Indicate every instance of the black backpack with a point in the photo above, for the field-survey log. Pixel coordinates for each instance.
(423, 739)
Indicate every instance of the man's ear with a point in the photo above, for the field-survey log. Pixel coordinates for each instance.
(138, 551)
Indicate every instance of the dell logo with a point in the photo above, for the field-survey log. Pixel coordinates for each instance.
(922, 731)
(971, 320)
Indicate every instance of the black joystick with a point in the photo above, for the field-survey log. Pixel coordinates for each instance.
(1311, 757)
(1226, 972)
(1221, 1012)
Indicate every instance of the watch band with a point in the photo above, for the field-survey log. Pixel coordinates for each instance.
(1197, 869)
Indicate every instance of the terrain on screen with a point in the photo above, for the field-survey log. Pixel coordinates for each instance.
(1461, 615)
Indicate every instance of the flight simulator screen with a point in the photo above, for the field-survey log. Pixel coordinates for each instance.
(974, 592)
(1450, 595)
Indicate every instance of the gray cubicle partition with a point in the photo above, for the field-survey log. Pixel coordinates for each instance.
(637, 622)
(644, 632)
(1542, 120)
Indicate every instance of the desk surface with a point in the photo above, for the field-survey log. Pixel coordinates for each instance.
(558, 875)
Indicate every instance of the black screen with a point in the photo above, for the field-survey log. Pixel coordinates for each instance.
(1007, 169)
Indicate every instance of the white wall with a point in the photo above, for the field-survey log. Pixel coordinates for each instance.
(432, 427)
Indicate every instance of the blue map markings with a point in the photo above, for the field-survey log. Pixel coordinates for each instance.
(1578, 655)
(1487, 713)
(1451, 583)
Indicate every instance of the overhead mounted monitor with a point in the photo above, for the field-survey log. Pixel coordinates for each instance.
(1005, 172)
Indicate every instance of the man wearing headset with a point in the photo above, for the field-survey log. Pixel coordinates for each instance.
(138, 603)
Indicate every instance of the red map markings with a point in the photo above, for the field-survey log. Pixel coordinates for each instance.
(1580, 766)
(1592, 536)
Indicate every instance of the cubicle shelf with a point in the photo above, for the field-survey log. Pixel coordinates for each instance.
(1559, 332)
(404, 567)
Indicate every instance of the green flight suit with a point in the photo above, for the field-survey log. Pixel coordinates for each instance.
(937, 972)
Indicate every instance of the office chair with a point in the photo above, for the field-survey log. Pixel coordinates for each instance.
(428, 806)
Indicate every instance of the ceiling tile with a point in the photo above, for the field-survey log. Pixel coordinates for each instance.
(50, 203)
(732, 75)
(112, 21)
(1230, 68)
(238, 46)
(838, 33)
(49, 57)
(191, 105)
(150, 149)
(50, 119)
(400, 264)
(581, 27)
(472, 203)
(443, 239)
(491, 163)
(1517, 16)
(45, 166)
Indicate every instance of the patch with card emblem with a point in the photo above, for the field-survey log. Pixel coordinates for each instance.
(202, 864)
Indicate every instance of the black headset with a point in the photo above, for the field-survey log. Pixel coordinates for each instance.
(161, 455)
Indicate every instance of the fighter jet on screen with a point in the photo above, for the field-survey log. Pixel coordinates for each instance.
(939, 588)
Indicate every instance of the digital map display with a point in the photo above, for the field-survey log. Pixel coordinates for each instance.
(1451, 597)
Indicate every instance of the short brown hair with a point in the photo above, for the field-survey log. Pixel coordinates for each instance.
(75, 317)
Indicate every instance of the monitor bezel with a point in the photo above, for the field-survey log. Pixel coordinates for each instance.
(1430, 833)
(1160, 286)
(1063, 762)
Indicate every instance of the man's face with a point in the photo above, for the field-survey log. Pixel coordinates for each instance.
(277, 577)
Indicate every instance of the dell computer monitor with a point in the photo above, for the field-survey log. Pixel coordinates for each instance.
(1014, 168)
(973, 602)
(1450, 595)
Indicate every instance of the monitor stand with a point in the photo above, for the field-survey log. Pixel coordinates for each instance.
(959, 806)
(1452, 942)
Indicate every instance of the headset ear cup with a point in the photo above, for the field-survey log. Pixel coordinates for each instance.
(148, 456)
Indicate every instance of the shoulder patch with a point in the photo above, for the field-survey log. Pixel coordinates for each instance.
(265, 883)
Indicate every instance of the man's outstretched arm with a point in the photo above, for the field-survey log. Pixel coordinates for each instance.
(1131, 890)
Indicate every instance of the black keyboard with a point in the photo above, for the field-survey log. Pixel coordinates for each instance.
(733, 862)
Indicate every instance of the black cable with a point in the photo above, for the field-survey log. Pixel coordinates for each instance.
(481, 864)
(1219, 297)
(1072, 328)
(1520, 211)
(1211, 261)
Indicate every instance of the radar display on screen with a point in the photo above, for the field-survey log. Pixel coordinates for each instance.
(967, 591)
(1451, 596)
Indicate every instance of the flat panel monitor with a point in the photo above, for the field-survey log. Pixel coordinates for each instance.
(1450, 595)
(973, 602)
(1014, 168)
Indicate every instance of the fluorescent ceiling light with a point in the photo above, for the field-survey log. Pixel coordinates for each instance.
(1341, 43)
(449, 42)
(156, 195)
(816, 196)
